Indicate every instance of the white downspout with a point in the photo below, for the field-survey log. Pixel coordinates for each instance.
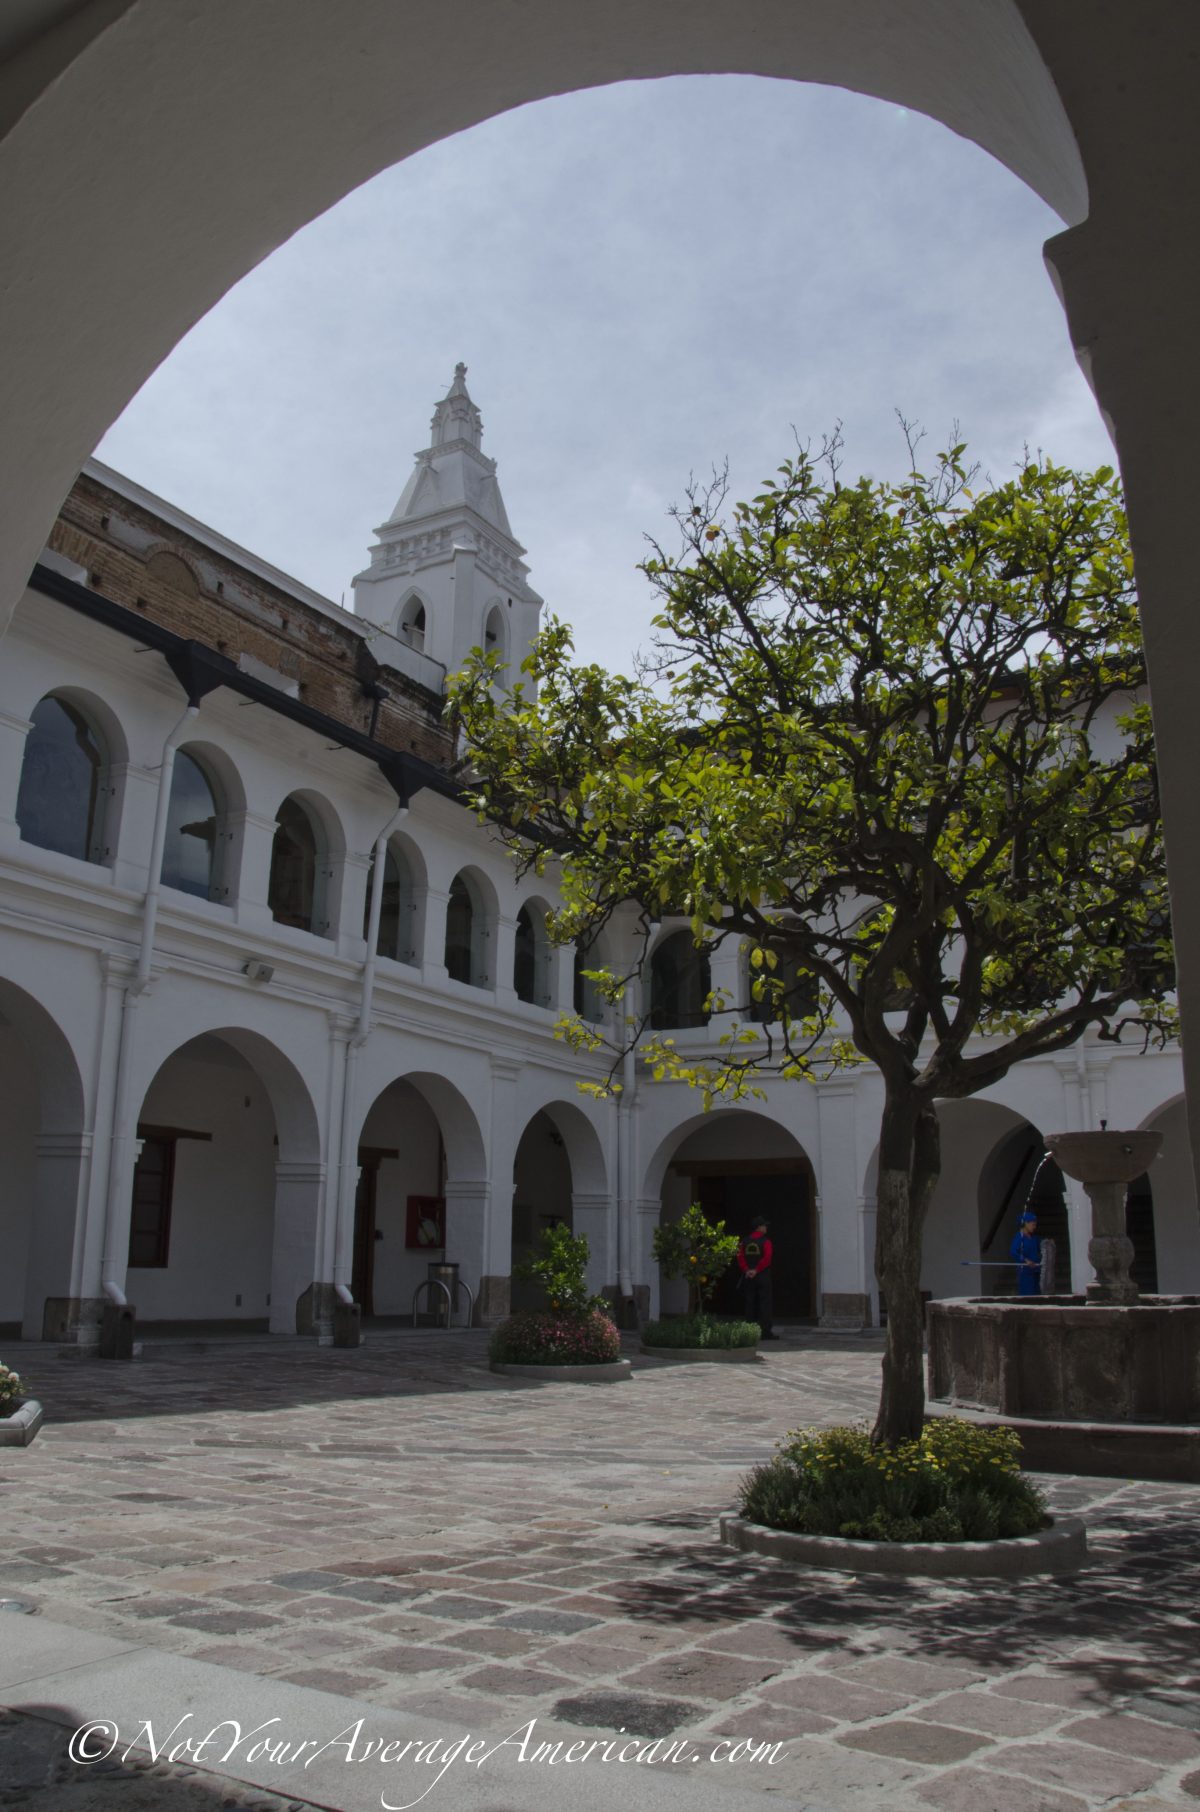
(116, 1233)
(625, 1176)
(343, 1267)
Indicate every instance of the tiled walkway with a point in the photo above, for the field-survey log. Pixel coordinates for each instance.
(399, 1525)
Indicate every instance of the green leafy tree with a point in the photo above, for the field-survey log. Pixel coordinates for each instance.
(894, 739)
(560, 1266)
(696, 1249)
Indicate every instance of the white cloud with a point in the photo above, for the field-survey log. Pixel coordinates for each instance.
(644, 281)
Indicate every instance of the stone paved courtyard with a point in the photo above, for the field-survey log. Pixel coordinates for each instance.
(398, 1525)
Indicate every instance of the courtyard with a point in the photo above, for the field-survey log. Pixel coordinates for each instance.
(399, 1532)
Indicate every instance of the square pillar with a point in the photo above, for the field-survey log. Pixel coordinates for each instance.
(295, 1256)
(844, 1300)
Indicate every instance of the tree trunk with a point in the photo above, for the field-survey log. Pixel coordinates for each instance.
(909, 1166)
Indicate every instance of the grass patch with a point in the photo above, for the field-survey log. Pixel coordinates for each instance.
(958, 1482)
(701, 1331)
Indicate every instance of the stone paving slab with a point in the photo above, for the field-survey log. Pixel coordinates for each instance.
(400, 1526)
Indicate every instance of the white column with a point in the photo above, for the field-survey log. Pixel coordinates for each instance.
(841, 1270)
(645, 1266)
(501, 958)
(560, 966)
(129, 824)
(726, 971)
(53, 1310)
(466, 1232)
(295, 1256)
(254, 835)
(591, 1215)
(346, 901)
(13, 731)
(432, 954)
(494, 1276)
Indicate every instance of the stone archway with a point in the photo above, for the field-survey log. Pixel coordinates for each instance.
(224, 1217)
(291, 107)
(422, 1193)
(45, 1155)
(737, 1164)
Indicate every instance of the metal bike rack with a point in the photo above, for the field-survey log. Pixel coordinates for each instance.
(439, 1283)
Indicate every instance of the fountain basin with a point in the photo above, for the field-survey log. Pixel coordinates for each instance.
(1065, 1359)
(1104, 1157)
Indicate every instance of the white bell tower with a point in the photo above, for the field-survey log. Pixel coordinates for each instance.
(446, 572)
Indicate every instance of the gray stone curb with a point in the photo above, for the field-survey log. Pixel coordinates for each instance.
(720, 1355)
(614, 1373)
(1061, 1549)
(19, 1429)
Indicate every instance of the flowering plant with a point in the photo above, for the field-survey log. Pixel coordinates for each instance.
(955, 1482)
(556, 1337)
(10, 1390)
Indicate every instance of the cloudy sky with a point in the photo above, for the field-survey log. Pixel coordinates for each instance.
(644, 281)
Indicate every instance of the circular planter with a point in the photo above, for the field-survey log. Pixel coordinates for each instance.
(1060, 1549)
(719, 1355)
(19, 1429)
(569, 1374)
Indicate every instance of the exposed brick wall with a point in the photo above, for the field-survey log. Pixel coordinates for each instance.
(136, 559)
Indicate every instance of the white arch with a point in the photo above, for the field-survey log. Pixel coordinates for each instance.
(297, 1122)
(655, 1170)
(584, 1147)
(326, 117)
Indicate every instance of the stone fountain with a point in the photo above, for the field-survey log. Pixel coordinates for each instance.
(1107, 1382)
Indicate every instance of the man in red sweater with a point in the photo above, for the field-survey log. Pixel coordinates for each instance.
(754, 1259)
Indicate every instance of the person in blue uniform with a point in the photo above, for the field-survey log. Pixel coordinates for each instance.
(1026, 1254)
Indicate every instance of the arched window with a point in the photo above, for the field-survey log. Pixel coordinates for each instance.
(412, 624)
(190, 852)
(61, 800)
(588, 1002)
(680, 984)
(460, 932)
(295, 864)
(788, 986)
(398, 908)
(495, 639)
(467, 934)
(531, 961)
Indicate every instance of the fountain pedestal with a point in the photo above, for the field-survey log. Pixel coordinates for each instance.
(1104, 1383)
(1106, 1163)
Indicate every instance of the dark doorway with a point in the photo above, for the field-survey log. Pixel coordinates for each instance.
(1139, 1226)
(782, 1191)
(362, 1283)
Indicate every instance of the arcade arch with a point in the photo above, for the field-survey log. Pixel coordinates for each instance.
(422, 1175)
(559, 1178)
(225, 1203)
(44, 1154)
(737, 1163)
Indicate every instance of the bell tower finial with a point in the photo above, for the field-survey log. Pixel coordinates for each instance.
(446, 573)
(456, 417)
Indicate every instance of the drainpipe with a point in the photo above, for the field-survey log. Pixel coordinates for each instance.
(343, 1271)
(116, 1232)
(625, 1176)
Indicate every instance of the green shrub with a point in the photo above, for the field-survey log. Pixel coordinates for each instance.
(701, 1330)
(958, 1482)
(696, 1249)
(556, 1337)
(12, 1391)
(561, 1268)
